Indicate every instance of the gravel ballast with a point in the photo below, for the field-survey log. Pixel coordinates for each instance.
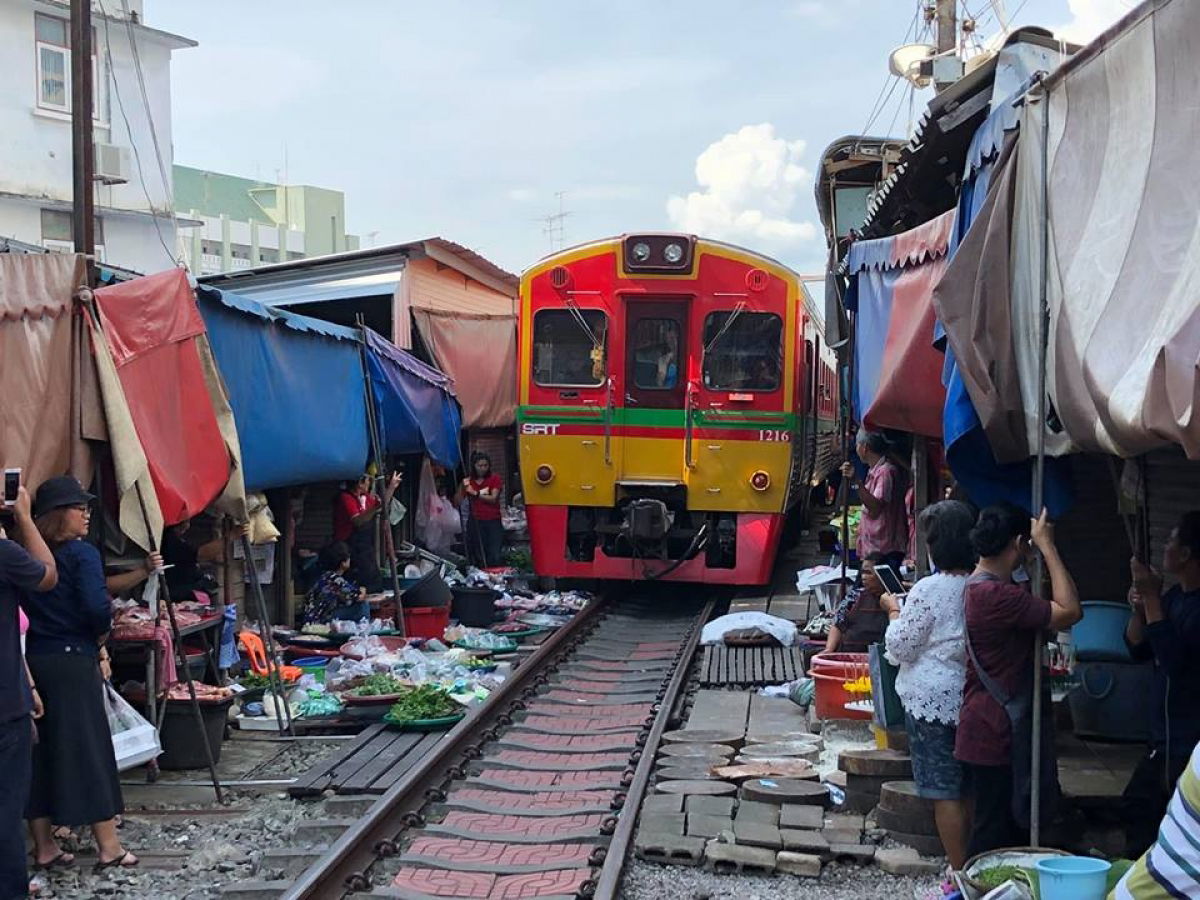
(649, 881)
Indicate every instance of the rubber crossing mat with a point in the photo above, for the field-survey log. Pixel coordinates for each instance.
(750, 666)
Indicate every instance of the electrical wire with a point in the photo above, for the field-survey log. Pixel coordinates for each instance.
(890, 80)
(137, 156)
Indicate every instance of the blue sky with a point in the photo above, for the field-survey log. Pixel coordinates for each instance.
(464, 118)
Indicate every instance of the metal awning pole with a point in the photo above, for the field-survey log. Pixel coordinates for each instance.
(389, 542)
(1039, 485)
(847, 445)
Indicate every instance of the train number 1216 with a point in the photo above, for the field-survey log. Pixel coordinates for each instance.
(776, 435)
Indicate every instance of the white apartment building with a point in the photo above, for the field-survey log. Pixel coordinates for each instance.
(135, 225)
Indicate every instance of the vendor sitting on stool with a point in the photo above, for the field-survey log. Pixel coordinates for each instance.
(335, 597)
(859, 621)
(1165, 627)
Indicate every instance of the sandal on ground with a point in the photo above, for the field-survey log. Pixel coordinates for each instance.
(62, 861)
(118, 863)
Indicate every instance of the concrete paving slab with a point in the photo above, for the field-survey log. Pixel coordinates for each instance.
(776, 715)
(708, 826)
(757, 834)
(719, 710)
(803, 841)
(710, 806)
(755, 811)
(663, 823)
(662, 803)
(801, 815)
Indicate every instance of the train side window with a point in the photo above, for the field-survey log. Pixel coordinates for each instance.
(743, 351)
(569, 347)
(655, 345)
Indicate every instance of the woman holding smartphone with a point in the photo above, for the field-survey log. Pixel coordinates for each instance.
(925, 638)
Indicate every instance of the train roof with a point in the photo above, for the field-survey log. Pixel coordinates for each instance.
(615, 240)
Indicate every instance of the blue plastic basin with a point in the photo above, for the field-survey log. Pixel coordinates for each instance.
(1100, 635)
(1072, 878)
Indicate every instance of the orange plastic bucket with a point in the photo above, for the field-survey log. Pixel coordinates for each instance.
(831, 697)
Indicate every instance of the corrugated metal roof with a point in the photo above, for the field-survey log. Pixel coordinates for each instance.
(362, 264)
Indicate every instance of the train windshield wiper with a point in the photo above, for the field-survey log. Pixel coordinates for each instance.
(733, 317)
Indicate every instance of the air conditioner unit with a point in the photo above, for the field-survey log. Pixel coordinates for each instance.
(112, 164)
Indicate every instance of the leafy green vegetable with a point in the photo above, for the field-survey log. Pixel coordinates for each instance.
(379, 685)
(995, 876)
(252, 681)
(424, 702)
(1116, 873)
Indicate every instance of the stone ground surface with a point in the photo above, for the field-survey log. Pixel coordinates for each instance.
(190, 858)
(648, 881)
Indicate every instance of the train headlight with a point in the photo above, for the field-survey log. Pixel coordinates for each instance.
(760, 480)
(544, 474)
(640, 252)
(673, 253)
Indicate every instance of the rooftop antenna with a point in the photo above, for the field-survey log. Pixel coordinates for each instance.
(553, 225)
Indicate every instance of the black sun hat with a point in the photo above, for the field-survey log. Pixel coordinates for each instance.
(55, 493)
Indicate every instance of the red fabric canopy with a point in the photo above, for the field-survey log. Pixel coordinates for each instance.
(910, 396)
(151, 324)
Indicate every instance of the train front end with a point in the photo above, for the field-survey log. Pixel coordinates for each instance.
(658, 389)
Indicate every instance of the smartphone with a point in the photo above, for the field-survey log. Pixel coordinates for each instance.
(891, 581)
(12, 486)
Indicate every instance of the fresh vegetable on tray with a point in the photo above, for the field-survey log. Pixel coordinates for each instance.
(378, 685)
(424, 702)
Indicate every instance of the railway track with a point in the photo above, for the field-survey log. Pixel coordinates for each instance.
(536, 793)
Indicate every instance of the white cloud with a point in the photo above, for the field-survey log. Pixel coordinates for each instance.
(1090, 17)
(750, 183)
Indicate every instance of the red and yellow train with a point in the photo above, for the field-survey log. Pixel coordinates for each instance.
(676, 402)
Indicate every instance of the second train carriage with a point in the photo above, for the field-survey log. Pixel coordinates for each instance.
(676, 401)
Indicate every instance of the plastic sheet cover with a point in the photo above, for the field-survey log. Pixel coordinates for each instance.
(151, 325)
(296, 388)
(415, 408)
(898, 377)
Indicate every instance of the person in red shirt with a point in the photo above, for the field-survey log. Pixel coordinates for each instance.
(354, 513)
(485, 534)
(1002, 621)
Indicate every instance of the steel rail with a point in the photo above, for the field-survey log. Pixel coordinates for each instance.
(609, 881)
(345, 867)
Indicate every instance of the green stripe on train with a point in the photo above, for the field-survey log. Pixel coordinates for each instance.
(656, 418)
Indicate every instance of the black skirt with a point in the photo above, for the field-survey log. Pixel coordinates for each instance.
(75, 779)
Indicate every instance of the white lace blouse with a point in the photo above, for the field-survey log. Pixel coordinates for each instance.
(927, 641)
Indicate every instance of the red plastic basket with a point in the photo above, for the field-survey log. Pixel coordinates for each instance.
(426, 621)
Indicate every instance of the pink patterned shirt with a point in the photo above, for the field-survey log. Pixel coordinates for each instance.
(886, 532)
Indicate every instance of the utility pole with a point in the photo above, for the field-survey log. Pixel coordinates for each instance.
(83, 212)
(947, 34)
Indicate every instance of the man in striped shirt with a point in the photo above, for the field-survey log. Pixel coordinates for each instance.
(1171, 867)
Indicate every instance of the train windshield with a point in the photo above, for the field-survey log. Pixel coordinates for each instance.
(656, 354)
(742, 351)
(569, 347)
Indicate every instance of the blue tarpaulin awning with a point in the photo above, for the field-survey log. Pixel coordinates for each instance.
(415, 408)
(296, 388)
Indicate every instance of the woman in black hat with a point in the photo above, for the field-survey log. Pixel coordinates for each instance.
(74, 768)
